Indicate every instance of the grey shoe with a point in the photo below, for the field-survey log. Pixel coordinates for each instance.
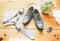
(28, 16)
(38, 20)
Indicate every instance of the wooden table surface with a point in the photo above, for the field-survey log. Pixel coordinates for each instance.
(9, 33)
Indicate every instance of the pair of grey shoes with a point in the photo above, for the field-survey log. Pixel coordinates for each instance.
(31, 12)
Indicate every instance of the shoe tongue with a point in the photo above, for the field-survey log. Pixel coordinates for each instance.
(31, 8)
(36, 11)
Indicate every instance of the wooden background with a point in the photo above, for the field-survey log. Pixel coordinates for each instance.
(9, 33)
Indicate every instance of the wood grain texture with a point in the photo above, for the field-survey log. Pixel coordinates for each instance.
(12, 33)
